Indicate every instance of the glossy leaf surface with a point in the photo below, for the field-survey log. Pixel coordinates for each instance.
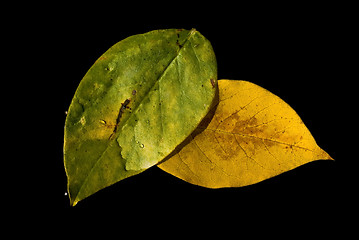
(139, 100)
(251, 136)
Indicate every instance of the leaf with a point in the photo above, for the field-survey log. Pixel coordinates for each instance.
(139, 100)
(252, 136)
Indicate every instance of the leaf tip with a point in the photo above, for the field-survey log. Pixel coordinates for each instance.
(73, 202)
(323, 155)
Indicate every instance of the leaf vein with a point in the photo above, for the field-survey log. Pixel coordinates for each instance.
(113, 139)
(195, 142)
(261, 138)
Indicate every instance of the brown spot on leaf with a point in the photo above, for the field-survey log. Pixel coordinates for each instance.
(121, 111)
(101, 58)
(178, 44)
(213, 82)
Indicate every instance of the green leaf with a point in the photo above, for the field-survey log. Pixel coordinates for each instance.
(139, 101)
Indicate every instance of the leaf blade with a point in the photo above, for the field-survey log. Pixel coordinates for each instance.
(253, 136)
(113, 99)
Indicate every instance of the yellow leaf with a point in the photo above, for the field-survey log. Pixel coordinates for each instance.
(252, 136)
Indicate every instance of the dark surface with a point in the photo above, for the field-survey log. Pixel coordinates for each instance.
(289, 53)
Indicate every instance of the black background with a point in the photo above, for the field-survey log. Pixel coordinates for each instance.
(290, 51)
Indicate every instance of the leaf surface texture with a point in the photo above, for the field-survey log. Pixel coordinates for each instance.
(251, 136)
(139, 100)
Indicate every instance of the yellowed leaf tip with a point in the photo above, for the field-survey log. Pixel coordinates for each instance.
(323, 155)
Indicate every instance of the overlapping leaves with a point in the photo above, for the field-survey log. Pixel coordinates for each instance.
(150, 95)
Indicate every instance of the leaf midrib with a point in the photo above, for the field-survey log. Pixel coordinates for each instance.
(190, 34)
(261, 138)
